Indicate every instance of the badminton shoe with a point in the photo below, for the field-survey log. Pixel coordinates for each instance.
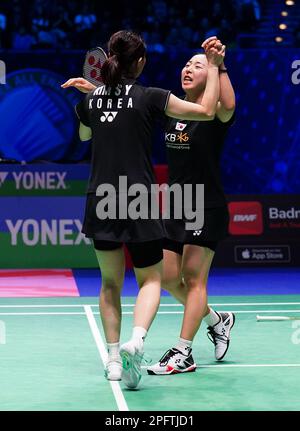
(219, 334)
(113, 369)
(173, 362)
(131, 362)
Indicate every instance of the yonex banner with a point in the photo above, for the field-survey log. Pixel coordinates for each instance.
(42, 208)
(43, 180)
(43, 232)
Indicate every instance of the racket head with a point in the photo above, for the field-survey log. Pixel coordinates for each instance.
(93, 62)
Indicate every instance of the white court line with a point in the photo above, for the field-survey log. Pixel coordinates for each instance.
(243, 365)
(161, 305)
(118, 394)
(78, 313)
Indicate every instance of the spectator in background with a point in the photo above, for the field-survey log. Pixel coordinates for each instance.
(23, 40)
(3, 29)
(297, 36)
(62, 27)
(248, 14)
(84, 25)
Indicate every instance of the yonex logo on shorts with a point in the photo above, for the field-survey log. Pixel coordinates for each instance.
(246, 218)
(2, 72)
(108, 116)
(197, 232)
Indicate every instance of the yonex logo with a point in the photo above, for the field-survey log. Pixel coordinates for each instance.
(108, 116)
(3, 176)
(197, 232)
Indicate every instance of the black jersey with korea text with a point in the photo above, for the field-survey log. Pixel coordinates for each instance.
(193, 150)
(122, 121)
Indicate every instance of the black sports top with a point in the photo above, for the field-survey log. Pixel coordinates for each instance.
(122, 121)
(193, 152)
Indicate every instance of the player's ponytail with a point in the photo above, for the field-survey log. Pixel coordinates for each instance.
(125, 49)
(111, 71)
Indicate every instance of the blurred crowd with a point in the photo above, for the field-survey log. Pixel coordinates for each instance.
(79, 24)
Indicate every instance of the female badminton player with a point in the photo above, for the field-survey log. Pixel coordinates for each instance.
(119, 117)
(188, 254)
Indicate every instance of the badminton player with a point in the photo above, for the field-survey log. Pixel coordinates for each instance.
(188, 254)
(119, 117)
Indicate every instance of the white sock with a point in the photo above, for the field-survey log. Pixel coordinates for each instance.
(212, 318)
(113, 350)
(184, 345)
(138, 336)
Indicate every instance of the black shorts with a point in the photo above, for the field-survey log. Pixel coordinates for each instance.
(215, 229)
(142, 254)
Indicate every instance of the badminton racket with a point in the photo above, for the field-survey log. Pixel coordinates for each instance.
(93, 62)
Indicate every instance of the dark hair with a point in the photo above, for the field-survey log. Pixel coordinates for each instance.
(124, 48)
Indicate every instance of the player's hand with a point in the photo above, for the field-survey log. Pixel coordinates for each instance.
(214, 51)
(80, 83)
(217, 43)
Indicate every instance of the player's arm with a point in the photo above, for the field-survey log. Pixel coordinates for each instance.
(226, 104)
(80, 83)
(85, 133)
(183, 110)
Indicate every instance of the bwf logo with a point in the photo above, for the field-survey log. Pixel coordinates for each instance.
(2, 72)
(108, 116)
(2, 332)
(246, 218)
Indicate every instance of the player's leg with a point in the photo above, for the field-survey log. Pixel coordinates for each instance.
(196, 262)
(147, 261)
(112, 266)
(172, 278)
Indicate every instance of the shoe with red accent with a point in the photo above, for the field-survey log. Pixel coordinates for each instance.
(174, 361)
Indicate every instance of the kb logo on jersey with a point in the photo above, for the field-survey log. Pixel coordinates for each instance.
(108, 116)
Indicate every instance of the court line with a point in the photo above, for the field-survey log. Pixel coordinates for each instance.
(117, 391)
(78, 313)
(242, 365)
(161, 305)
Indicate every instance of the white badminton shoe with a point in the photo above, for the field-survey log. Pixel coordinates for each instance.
(219, 334)
(132, 356)
(173, 362)
(113, 369)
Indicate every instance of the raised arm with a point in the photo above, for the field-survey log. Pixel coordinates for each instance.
(183, 110)
(226, 104)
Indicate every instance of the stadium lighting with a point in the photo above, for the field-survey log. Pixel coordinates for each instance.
(278, 39)
(282, 26)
